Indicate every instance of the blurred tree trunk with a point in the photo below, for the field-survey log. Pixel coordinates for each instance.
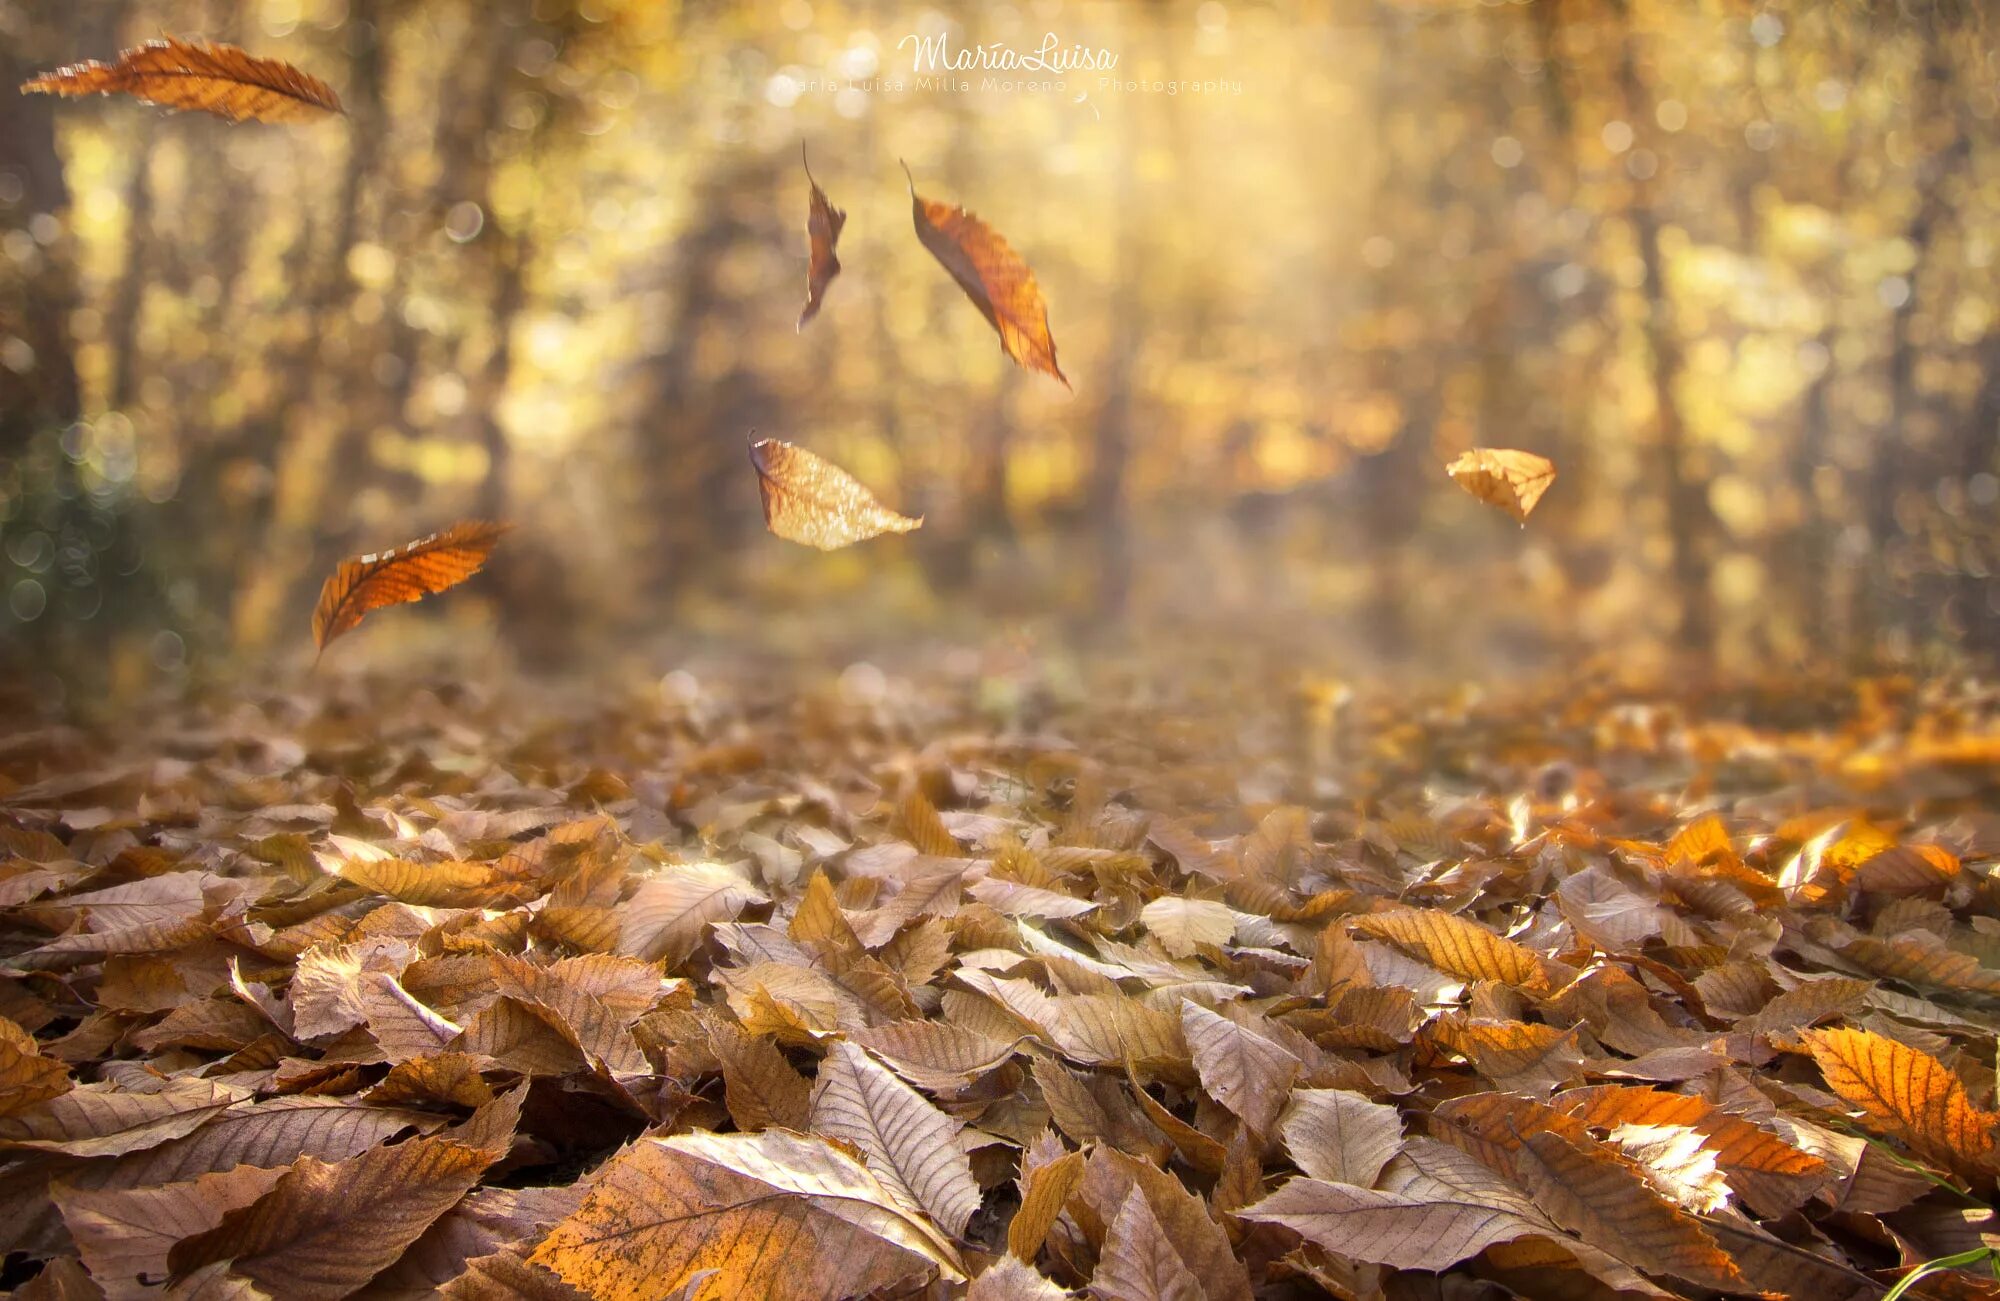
(38, 388)
(1886, 606)
(1690, 525)
(1977, 582)
(1106, 511)
(121, 323)
(304, 437)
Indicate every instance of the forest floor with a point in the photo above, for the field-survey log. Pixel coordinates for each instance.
(814, 984)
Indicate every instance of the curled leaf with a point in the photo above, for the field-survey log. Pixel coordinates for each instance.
(823, 225)
(994, 277)
(812, 501)
(1500, 476)
(219, 79)
(407, 573)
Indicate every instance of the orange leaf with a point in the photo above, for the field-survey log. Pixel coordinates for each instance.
(814, 502)
(408, 573)
(218, 79)
(1454, 945)
(1906, 1093)
(823, 224)
(1499, 476)
(994, 277)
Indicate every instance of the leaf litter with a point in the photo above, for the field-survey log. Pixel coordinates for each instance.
(1590, 991)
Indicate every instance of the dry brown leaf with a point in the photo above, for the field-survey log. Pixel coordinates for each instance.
(778, 1216)
(220, 79)
(823, 225)
(403, 1025)
(761, 1088)
(1009, 1280)
(1443, 1207)
(671, 913)
(425, 884)
(1046, 1190)
(1513, 481)
(1204, 1249)
(26, 1075)
(994, 277)
(521, 1036)
(910, 1145)
(1111, 1030)
(407, 573)
(100, 1120)
(1138, 1262)
(1459, 947)
(812, 501)
(455, 1078)
(1517, 1056)
(1182, 926)
(1091, 1108)
(1340, 1137)
(1608, 1204)
(324, 1230)
(1241, 1069)
(125, 1234)
(935, 1055)
(1773, 1176)
(265, 1134)
(1907, 1094)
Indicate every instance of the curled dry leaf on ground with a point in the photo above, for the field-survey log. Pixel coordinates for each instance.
(812, 501)
(994, 277)
(221, 79)
(1592, 991)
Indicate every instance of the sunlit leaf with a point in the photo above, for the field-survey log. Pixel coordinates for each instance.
(1514, 481)
(215, 78)
(814, 502)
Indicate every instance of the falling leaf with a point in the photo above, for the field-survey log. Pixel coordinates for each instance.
(218, 79)
(814, 502)
(1905, 1093)
(777, 1215)
(910, 1145)
(994, 277)
(1513, 481)
(823, 224)
(408, 573)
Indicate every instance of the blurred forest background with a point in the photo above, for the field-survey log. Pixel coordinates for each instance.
(1731, 266)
